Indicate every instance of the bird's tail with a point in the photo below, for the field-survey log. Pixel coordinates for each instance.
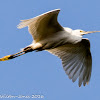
(24, 51)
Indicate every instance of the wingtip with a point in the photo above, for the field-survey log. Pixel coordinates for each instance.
(55, 10)
(84, 84)
(87, 83)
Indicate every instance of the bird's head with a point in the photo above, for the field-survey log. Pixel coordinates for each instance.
(79, 32)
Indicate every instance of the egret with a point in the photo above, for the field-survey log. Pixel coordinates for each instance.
(67, 44)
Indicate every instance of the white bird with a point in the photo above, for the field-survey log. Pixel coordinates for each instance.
(67, 44)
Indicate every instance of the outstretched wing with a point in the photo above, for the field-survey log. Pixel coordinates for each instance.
(43, 25)
(76, 60)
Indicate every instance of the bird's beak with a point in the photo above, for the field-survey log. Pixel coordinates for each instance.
(88, 32)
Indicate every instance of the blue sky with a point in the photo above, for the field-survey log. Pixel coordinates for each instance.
(41, 72)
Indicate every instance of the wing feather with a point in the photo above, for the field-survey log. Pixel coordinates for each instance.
(76, 60)
(43, 25)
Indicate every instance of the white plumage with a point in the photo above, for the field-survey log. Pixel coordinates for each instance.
(67, 44)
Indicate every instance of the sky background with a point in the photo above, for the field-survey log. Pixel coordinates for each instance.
(41, 72)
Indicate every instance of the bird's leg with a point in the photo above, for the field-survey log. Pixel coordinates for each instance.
(24, 51)
(30, 48)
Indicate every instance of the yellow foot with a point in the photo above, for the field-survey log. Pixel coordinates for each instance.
(5, 58)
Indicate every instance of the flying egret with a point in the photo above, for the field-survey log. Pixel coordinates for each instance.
(67, 44)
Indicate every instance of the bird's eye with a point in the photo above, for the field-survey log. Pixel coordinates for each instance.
(81, 31)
